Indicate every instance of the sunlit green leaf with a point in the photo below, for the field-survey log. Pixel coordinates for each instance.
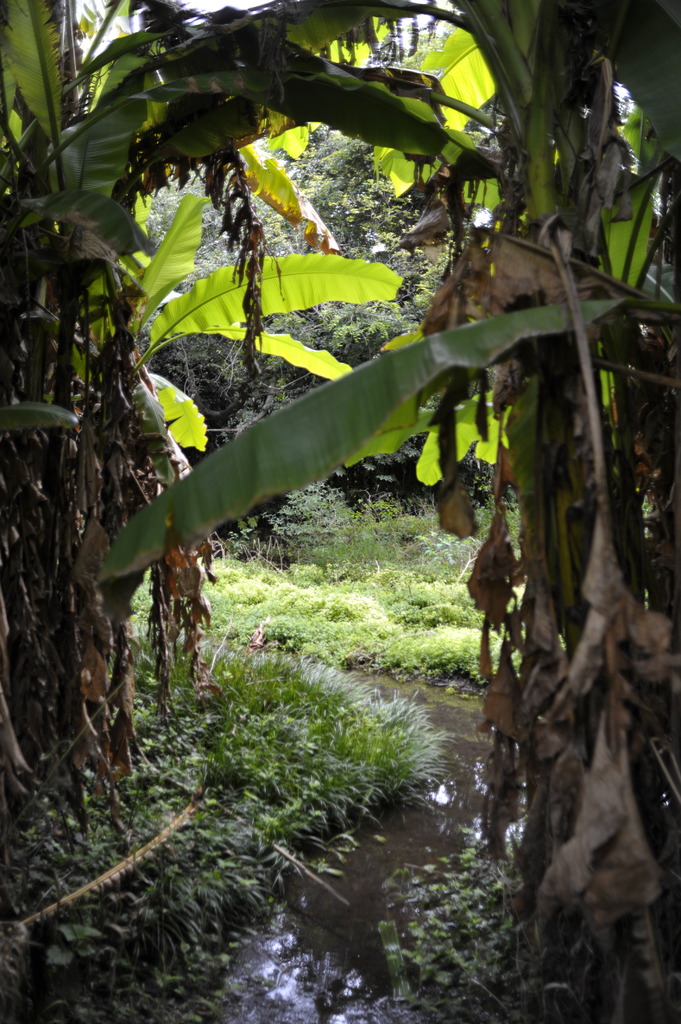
(401, 171)
(291, 283)
(390, 438)
(174, 260)
(428, 466)
(465, 77)
(187, 425)
(293, 141)
(402, 339)
(317, 361)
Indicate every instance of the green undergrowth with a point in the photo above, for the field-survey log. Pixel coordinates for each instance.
(368, 586)
(389, 620)
(463, 950)
(283, 753)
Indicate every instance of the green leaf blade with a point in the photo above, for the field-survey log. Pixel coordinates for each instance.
(174, 259)
(187, 424)
(28, 415)
(292, 283)
(306, 440)
(93, 212)
(30, 44)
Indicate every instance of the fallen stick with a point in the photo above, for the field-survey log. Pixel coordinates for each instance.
(310, 874)
(122, 868)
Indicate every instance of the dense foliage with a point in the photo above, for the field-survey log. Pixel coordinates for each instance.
(283, 754)
(570, 294)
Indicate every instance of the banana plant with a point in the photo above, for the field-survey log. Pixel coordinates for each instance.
(86, 137)
(584, 391)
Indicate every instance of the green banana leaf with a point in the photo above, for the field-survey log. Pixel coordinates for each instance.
(317, 24)
(317, 361)
(402, 339)
(186, 423)
(369, 111)
(174, 260)
(306, 440)
(628, 240)
(26, 415)
(293, 141)
(465, 77)
(647, 62)
(291, 283)
(114, 51)
(207, 133)
(152, 418)
(30, 45)
(400, 170)
(97, 213)
(94, 154)
(316, 90)
(387, 441)
(428, 470)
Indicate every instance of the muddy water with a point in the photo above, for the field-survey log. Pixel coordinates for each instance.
(321, 961)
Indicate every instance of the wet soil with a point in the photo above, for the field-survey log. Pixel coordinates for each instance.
(321, 960)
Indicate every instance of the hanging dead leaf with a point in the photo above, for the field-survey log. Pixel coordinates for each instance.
(503, 695)
(501, 798)
(455, 509)
(486, 668)
(503, 473)
(430, 230)
(509, 384)
(94, 677)
(490, 583)
(606, 867)
(566, 788)
(121, 731)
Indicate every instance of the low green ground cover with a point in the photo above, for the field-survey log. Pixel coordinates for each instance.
(282, 754)
(464, 952)
(370, 587)
(388, 620)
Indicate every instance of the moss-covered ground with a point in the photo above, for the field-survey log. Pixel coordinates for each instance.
(390, 620)
(368, 587)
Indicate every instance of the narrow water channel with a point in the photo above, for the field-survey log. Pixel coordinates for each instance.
(321, 961)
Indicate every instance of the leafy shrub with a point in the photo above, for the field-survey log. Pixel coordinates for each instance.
(444, 651)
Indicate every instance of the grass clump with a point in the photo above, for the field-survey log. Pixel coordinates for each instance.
(282, 753)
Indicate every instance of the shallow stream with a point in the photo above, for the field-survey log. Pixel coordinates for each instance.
(321, 961)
